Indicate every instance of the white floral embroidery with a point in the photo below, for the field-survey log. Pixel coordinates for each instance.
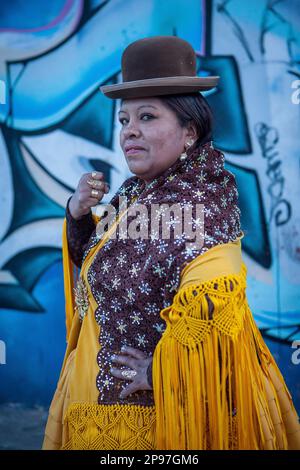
(134, 269)
(198, 193)
(102, 317)
(116, 282)
(136, 318)
(141, 340)
(202, 177)
(169, 260)
(116, 305)
(140, 246)
(159, 327)
(121, 259)
(225, 181)
(121, 326)
(151, 308)
(223, 201)
(145, 288)
(207, 212)
(99, 296)
(105, 266)
(158, 269)
(130, 296)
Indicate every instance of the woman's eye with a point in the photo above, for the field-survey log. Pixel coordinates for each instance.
(121, 120)
(148, 115)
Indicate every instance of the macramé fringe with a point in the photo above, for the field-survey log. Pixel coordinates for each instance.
(216, 384)
(109, 427)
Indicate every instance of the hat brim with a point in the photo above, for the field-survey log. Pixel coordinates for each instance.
(159, 86)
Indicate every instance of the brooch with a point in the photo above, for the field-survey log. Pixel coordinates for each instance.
(81, 298)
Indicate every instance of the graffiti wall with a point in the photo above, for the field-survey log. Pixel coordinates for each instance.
(55, 125)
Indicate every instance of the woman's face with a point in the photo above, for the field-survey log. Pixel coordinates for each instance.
(148, 123)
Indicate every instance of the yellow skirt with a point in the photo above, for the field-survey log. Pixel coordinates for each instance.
(89, 426)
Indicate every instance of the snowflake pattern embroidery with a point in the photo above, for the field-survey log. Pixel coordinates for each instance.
(198, 193)
(145, 288)
(141, 340)
(159, 327)
(107, 339)
(116, 305)
(202, 158)
(140, 246)
(180, 239)
(151, 308)
(190, 251)
(136, 318)
(135, 268)
(201, 177)
(107, 382)
(169, 260)
(225, 226)
(223, 201)
(101, 317)
(100, 298)
(207, 212)
(147, 262)
(116, 282)
(160, 270)
(199, 222)
(107, 245)
(184, 184)
(225, 181)
(121, 326)
(121, 259)
(130, 297)
(162, 246)
(105, 266)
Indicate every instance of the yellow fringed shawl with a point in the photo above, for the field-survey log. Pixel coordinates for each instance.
(216, 384)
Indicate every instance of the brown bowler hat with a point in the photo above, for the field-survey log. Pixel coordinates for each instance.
(158, 65)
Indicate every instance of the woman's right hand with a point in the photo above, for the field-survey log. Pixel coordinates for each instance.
(89, 192)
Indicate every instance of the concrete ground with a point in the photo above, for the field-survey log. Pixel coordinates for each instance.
(21, 428)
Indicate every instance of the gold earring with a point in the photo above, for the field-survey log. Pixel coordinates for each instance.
(187, 145)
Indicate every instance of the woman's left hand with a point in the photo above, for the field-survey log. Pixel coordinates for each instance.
(137, 361)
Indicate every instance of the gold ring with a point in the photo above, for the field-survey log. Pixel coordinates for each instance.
(94, 193)
(129, 374)
(95, 183)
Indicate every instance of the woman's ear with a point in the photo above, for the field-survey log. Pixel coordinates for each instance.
(192, 132)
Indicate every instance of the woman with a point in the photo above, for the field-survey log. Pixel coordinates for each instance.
(163, 352)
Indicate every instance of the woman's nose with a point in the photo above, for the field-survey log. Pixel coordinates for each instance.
(132, 128)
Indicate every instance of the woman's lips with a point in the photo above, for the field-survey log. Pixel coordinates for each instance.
(134, 151)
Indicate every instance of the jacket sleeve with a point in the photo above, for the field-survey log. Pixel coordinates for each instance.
(79, 232)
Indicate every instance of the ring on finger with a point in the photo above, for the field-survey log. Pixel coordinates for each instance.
(94, 193)
(129, 374)
(95, 183)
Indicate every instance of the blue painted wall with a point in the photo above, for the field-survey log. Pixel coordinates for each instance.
(56, 125)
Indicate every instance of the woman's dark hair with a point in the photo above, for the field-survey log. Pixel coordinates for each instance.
(192, 107)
